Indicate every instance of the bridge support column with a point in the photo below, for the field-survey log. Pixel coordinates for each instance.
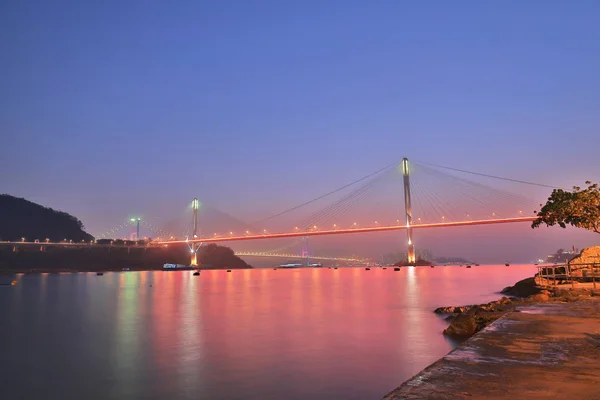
(305, 251)
(408, 211)
(194, 248)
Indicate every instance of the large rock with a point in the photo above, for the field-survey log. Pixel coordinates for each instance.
(524, 288)
(588, 255)
(463, 325)
(452, 309)
(539, 298)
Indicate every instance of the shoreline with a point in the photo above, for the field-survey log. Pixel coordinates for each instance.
(94, 270)
(548, 350)
(497, 345)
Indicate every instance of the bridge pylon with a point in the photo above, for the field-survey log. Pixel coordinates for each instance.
(194, 247)
(305, 251)
(408, 211)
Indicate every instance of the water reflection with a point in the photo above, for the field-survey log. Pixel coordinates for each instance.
(304, 333)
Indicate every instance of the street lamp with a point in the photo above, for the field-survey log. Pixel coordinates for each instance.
(136, 220)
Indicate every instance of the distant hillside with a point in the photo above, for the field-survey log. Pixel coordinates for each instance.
(22, 218)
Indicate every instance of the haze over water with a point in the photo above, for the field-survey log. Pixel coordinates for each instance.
(251, 334)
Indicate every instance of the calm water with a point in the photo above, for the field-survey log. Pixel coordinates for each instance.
(254, 334)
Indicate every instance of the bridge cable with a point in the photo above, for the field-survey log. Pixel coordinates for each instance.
(327, 194)
(489, 176)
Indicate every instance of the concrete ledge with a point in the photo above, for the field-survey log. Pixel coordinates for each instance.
(540, 351)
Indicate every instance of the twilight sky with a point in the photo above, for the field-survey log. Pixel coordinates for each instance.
(115, 108)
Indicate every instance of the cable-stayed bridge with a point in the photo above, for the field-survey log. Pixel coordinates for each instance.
(402, 196)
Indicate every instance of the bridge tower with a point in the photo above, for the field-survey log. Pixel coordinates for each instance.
(194, 247)
(408, 210)
(305, 250)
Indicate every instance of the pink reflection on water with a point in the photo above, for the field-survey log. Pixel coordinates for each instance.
(346, 333)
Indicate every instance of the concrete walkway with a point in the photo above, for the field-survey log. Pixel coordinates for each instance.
(545, 351)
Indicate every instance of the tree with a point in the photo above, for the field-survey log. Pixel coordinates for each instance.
(579, 208)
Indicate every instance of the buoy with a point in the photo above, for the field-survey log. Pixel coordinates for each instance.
(197, 273)
(432, 266)
(334, 267)
(397, 269)
(384, 267)
(468, 266)
(13, 283)
(507, 264)
(274, 269)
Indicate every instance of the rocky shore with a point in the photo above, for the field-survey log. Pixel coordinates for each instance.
(467, 320)
(539, 351)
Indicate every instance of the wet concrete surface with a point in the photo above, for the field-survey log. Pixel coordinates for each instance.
(537, 352)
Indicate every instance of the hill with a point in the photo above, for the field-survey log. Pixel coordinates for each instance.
(22, 218)
(220, 257)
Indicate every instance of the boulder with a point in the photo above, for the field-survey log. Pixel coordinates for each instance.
(588, 255)
(463, 325)
(524, 288)
(539, 298)
(452, 310)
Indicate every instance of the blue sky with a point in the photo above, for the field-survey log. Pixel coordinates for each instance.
(109, 108)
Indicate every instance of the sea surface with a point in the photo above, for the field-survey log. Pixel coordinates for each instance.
(250, 334)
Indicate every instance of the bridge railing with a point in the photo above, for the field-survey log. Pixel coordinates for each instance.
(569, 273)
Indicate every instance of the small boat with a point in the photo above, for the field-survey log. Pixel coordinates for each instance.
(506, 264)
(291, 265)
(397, 269)
(367, 269)
(228, 270)
(384, 268)
(197, 273)
(468, 266)
(335, 267)
(99, 273)
(177, 267)
(432, 266)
